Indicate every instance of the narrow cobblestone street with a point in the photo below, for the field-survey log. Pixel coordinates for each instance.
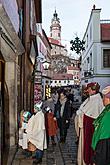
(61, 154)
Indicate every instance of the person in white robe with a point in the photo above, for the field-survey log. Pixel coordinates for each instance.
(23, 141)
(36, 133)
(79, 132)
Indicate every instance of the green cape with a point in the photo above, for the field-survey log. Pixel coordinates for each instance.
(102, 127)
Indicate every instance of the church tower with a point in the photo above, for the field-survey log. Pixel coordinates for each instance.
(55, 28)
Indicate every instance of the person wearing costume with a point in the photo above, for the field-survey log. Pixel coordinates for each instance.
(36, 133)
(51, 126)
(50, 123)
(23, 142)
(101, 136)
(88, 111)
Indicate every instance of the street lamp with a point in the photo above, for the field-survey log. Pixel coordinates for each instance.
(46, 88)
(46, 65)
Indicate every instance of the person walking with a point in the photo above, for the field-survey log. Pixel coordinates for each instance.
(51, 126)
(62, 115)
(101, 136)
(50, 123)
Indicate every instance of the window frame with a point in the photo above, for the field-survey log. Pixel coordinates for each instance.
(108, 66)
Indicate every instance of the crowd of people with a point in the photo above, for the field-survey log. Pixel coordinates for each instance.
(38, 130)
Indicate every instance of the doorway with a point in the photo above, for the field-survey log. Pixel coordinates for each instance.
(4, 113)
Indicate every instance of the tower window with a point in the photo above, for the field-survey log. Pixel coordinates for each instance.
(58, 34)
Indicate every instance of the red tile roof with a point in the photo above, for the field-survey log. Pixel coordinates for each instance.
(105, 32)
(62, 76)
(72, 68)
(54, 41)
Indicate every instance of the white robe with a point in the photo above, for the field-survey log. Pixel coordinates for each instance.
(23, 141)
(36, 133)
(92, 106)
(79, 132)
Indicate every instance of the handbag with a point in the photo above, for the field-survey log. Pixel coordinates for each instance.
(31, 147)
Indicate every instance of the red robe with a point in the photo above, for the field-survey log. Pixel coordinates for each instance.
(88, 133)
(51, 124)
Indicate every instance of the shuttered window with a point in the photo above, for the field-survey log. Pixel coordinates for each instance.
(106, 58)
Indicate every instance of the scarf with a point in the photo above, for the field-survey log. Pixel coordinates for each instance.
(62, 102)
(102, 127)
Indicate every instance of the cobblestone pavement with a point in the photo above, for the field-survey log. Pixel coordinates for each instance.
(61, 154)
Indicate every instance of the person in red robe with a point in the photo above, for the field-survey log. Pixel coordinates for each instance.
(89, 110)
(50, 123)
(51, 126)
(92, 110)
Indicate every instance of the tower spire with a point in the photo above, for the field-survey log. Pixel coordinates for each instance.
(55, 28)
(55, 15)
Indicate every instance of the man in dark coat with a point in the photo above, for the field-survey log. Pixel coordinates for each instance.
(62, 114)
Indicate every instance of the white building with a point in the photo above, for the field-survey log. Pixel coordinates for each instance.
(95, 65)
(64, 79)
(75, 71)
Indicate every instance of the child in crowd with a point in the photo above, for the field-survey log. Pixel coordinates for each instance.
(24, 117)
(51, 125)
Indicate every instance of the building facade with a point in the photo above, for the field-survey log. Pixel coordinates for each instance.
(62, 80)
(75, 71)
(11, 48)
(18, 49)
(29, 15)
(44, 56)
(95, 64)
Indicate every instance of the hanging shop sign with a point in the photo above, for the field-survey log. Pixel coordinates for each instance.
(47, 91)
(37, 87)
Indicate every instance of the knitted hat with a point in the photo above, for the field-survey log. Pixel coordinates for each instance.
(37, 106)
(26, 116)
(106, 91)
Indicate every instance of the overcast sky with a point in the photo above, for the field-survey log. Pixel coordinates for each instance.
(74, 15)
